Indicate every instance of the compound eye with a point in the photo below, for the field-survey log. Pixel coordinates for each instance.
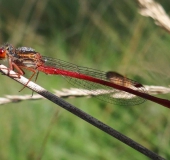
(2, 53)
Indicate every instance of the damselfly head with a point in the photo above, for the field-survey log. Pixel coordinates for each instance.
(2, 53)
(6, 50)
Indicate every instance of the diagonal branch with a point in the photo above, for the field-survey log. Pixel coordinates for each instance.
(74, 110)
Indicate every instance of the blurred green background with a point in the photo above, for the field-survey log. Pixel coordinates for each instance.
(105, 35)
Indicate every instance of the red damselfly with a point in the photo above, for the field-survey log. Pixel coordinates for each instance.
(110, 86)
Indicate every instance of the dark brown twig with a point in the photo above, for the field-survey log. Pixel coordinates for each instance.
(74, 110)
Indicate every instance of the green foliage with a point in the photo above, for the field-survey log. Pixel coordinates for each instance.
(106, 35)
